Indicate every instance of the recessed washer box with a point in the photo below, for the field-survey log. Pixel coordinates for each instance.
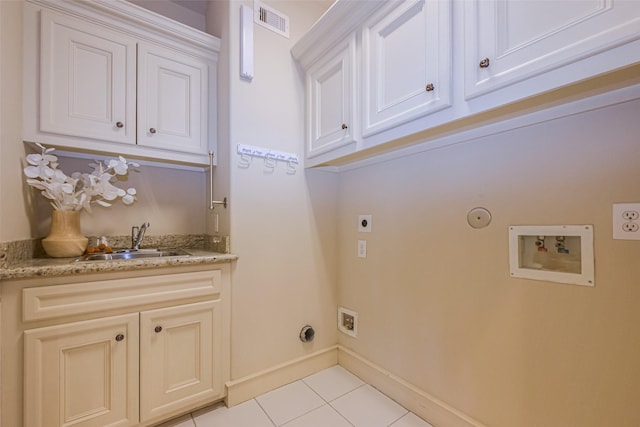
(348, 322)
(553, 253)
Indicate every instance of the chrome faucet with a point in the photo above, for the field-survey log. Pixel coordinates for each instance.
(137, 234)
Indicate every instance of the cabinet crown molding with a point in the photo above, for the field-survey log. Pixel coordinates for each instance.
(343, 17)
(135, 20)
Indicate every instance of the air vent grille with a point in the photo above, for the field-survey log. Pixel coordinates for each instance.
(271, 18)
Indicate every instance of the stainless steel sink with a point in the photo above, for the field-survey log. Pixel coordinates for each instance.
(125, 254)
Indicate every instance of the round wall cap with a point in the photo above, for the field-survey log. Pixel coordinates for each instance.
(479, 217)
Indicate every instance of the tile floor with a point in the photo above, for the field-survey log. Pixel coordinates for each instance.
(330, 398)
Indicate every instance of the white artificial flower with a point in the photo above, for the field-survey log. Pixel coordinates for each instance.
(130, 197)
(81, 189)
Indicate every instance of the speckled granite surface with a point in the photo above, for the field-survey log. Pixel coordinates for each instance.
(21, 259)
(16, 252)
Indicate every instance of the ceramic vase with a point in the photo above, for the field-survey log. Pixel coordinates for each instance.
(65, 239)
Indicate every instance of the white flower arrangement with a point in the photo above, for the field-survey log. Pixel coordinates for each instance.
(78, 191)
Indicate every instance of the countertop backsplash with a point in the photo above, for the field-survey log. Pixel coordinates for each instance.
(19, 251)
(15, 252)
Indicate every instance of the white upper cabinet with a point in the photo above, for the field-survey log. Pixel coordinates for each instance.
(172, 102)
(406, 63)
(509, 41)
(428, 68)
(87, 80)
(331, 100)
(113, 78)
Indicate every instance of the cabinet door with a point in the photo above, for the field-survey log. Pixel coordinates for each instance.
(507, 41)
(331, 100)
(406, 55)
(180, 358)
(87, 80)
(83, 373)
(172, 100)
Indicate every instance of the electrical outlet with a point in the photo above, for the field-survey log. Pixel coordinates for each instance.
(348, 321)
(364, 223)
(626, 221)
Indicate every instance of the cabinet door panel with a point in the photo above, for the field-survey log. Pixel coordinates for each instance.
(406, 63)
(172, 106)
(331, 98)
(87, 80)
(81, 374)
(524, 38)
(180, 358)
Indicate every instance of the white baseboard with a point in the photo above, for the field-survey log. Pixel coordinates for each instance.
(248, 387)
(417, 401)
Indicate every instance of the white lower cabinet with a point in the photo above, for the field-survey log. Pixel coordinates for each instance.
(82, 373)
(127, 351)
(180, 353)
(87, 372)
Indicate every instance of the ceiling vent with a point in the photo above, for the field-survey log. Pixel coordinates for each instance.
(270, 18)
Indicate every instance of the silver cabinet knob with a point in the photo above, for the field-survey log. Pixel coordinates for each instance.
(152, 130)
(430, 87)
(484, 63)
(344, 126)
(119, 125)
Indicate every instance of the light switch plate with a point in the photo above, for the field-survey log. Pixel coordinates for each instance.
(362, 248)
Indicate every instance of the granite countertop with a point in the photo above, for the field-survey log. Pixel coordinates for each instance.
(23, 266)
(40, 267)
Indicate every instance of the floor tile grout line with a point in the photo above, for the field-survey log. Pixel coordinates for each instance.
(337, 397)
(302, 415)
(327, 404)
(393, 400)
(406, 411)
(349, 392)
(265, 412)
(340, 413)
(314, 390)
(311, 410)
